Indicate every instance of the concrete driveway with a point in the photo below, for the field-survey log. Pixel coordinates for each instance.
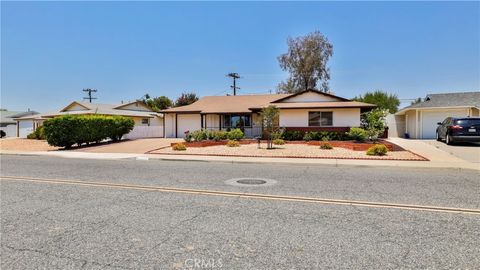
(466, 151)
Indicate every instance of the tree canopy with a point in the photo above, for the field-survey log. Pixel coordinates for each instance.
(417, 100)
(383, 100)
(157, 103)
(306, 61)
(186, 98)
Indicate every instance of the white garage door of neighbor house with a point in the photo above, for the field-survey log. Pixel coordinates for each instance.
(430, 120)
(25, 128)
(190, 122)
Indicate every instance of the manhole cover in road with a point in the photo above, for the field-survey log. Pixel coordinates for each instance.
(250, 182)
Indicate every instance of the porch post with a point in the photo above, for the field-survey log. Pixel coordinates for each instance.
(219, 122)
(176, 126)
(164, 135)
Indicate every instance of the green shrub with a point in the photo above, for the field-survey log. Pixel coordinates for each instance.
(277, 134)
(219, 135)
(278, 142)
(326, 146)
(357, 134)
(179, 147)
(67, 130)
(293, 135)
(307, 137)
(377, 150)
(235, 134)
(326, 139)
(38, 134)
(199, 135)
(233, 143)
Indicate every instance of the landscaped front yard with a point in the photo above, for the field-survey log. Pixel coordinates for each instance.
(288, 150)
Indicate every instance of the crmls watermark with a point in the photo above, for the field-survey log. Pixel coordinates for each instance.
(202, 263)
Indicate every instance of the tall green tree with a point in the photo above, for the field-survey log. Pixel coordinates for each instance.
(383, 100)
(157, 103)
(186, 98)
(306, 61)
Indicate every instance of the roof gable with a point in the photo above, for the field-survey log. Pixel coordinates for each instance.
(310, 96)
(134, 106)
(75, 106)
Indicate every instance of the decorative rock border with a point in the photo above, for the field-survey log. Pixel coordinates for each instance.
(351, 145)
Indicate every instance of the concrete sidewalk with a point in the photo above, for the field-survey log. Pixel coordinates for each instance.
(438, 163)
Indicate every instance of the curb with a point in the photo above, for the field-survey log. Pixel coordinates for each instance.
(246, 160)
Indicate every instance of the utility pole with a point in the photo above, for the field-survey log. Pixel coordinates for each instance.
(234, 76)
(89, 91)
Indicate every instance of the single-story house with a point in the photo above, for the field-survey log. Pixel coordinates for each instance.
(148, 123)
(306, 110)
(7, 122)
(420, 119)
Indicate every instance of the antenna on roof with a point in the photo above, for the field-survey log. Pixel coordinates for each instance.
(234, 76)
(89, 91)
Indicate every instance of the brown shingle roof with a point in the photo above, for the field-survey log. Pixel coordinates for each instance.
(247, 103)
(227, 104)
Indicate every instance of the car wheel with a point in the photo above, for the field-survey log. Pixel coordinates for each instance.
(438, 137)
(448, 140)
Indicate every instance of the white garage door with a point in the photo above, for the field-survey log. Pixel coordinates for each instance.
(190, 122)
(431, 118)
(25, 128)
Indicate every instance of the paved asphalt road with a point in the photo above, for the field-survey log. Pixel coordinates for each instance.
(72, 226)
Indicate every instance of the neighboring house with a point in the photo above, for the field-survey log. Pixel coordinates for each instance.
(420, 119)
(148, 123)
(8, 124)
(306, 110)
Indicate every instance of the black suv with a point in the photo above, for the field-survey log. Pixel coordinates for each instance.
(459, 130)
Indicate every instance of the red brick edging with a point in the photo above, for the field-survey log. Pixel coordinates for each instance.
(310, 157)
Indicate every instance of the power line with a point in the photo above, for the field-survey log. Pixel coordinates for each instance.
(89, 91)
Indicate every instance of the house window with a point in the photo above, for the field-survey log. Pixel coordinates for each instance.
(237, 120)
(320, 119)
(145, 121)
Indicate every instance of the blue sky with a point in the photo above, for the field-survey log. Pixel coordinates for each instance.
(50, 51)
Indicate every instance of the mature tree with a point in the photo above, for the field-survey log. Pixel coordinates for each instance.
(417, 100)
(157, 103)
(186, 98)
(269, 115)
(306, 61)
(383, 100)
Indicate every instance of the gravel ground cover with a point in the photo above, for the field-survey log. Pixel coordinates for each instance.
(18, 144)
(287, 150)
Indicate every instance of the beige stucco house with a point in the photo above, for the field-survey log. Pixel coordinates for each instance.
(419, 121)
(148, 123)
(307, 110)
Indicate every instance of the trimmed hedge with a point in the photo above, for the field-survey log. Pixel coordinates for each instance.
(67, 130)
(296, 135)
(215, 135)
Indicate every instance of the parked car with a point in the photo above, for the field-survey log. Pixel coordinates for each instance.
(454, 129)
